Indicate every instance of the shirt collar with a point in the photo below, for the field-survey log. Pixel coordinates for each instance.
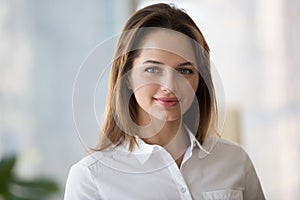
(208, 144)
(142, 151)
(195, 143)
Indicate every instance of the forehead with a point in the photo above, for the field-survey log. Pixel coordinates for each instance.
(158, 56)
(169, 41)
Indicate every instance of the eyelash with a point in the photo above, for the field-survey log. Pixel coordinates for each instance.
(183, 71)
(153, 69)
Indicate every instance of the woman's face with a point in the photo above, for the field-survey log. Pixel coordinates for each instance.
(163, 82)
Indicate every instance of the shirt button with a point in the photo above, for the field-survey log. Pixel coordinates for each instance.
(183, 189)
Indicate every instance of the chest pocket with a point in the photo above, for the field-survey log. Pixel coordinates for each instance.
(223, 195)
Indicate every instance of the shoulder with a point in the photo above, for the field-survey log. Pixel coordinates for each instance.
(229, 155)
(80, 182)
(89, 163)
(224, 143)
(229, 146)
(229, 150)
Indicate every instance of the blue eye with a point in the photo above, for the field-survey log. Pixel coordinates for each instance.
(185, 71)
(153, 69)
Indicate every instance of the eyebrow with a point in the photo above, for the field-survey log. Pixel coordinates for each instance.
(153, 62)
(160, 63)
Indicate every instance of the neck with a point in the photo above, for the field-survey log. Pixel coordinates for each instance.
(170, 135)
(155, 131)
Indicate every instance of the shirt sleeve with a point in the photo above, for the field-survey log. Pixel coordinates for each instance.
(80, 184)
(253, 189)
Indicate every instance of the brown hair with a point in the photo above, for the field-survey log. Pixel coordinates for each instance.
(117, 128)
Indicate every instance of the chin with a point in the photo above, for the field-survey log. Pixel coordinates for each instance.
(173, 118)
(167, 115)
(167, 118)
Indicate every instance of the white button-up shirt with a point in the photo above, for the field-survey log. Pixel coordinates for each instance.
(149, 172)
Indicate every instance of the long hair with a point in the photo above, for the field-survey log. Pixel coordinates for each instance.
(116, 127)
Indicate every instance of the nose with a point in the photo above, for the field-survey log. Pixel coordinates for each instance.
(169, 82)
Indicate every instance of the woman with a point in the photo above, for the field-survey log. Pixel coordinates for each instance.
(159, 138)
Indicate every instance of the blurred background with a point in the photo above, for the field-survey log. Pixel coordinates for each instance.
(254, 47)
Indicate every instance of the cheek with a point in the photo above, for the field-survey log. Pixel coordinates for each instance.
(144, 94)
(189, 93)
(192, 84)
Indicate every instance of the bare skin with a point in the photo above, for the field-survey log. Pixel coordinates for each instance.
(164, 85)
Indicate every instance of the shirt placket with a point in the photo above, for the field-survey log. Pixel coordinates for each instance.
(180, 182)
(176, 175)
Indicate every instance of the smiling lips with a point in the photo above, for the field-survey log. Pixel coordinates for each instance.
(167, 101)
